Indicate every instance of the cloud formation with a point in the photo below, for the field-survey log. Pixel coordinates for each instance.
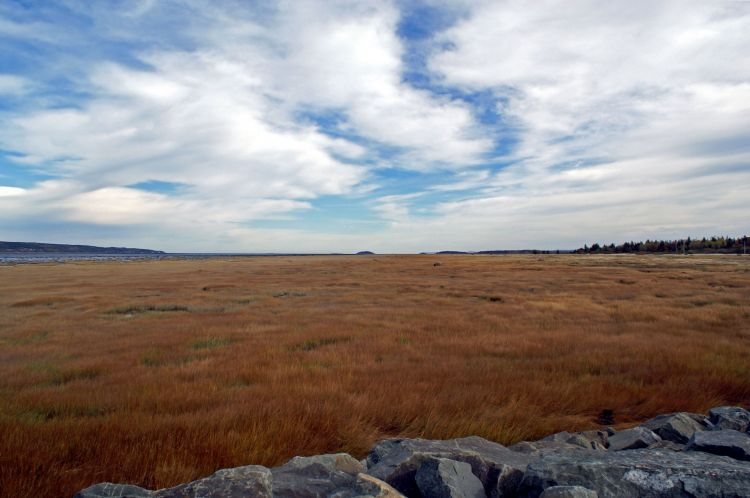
(191, 125)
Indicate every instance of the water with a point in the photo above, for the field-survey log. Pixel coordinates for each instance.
(14, 258)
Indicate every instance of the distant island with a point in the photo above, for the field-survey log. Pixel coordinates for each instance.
(38, 247)
(712, 245)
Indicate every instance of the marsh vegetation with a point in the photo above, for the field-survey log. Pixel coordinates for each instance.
(159, 372)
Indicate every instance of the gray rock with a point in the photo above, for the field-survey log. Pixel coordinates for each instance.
(590, 440)
(667, 445)
(366, 486)
(396, 462)
(541, 447)
(677, 427)
(730, 417)
(599, 439)
(731, 443)
(568, 492)
(640, 473)
(315, 476)
(632, 439)
(109, 490)
(443, 478)
(239, 482)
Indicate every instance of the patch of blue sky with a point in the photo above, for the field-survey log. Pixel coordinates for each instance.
(329, 214)
(160, 187)
(15, 174)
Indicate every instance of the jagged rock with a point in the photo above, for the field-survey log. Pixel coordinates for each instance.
(667, 445)
(109, 490)
(632, 439)
(730, 417)
(590, 440)
(315, 476)
(251, 480)
(367, 486)
(643, 473)
(600, 438)
(443, 478)
(568, 492)
(540, 447)
(678, 427)
(731, 443)
(396, 461)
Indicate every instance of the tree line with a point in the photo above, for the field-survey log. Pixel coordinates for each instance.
(720, 244)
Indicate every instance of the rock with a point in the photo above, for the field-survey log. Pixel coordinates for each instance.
(315, 476)
(568, 492)
(667, 445)
(443, 478)
(730, 417)
(592, 440)
(601, 438)
(109, 490)
(396, 462)
(731, 443)
(540, 447)
(677, 427)
(251, 480)
(367, 486)
(632, 439)
(643, 473)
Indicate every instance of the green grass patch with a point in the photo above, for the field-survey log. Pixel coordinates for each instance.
(212, 342)
(69, 375)
(27, 338)
(152, 358)
(146, 308)
(313, 344)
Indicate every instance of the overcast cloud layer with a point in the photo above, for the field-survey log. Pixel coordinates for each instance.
(306, 126)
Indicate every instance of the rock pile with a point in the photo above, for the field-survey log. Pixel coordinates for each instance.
(672, 455)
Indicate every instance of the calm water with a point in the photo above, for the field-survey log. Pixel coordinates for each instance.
(23, 258)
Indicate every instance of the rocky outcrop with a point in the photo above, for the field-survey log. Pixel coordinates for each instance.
(676, 427)
(728, 442)
(444, 478)
(633, 439)
(675, 455)
(730, 417)
(640, 473)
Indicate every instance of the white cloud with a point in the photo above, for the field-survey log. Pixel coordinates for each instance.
(631, 118)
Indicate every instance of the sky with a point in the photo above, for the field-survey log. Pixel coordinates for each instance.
(390, 126)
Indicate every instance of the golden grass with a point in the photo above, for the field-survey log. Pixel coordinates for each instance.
(159, 372)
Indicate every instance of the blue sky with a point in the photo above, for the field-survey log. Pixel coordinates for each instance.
(190, 125)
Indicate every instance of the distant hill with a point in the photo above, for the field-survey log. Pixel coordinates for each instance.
(37, 247)
(364, 253)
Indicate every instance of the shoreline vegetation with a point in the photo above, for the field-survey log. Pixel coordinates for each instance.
(158, 372)
(711, 245)
(42, 248)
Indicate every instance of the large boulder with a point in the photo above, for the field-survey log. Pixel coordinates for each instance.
(568, 492)
(396, 461)
(633, 439)
(315, 476)
(644, 473)
(250, 480)
(676, 427)
(443, 478)
(731, 443)
(591, 440)
(537, 448)
(110, 490)
(730, 417)
(366, 486)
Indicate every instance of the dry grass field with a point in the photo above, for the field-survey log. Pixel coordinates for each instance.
(159, 372)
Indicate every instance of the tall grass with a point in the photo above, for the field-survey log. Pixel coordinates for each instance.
(509, 348)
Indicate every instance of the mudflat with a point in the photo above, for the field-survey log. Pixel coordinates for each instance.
(160, 372)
